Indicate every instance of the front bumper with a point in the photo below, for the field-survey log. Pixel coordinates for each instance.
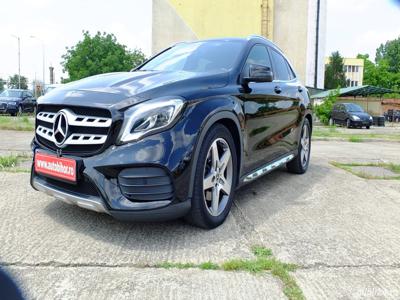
(99, 180)
(360, 123)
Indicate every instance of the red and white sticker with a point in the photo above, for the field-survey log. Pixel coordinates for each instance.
(58, 167)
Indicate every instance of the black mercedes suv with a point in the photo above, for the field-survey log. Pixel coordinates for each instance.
(176, 136)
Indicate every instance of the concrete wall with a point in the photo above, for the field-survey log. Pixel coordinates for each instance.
(291, 24)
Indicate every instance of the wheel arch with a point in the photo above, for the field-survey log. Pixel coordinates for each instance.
(231, 122)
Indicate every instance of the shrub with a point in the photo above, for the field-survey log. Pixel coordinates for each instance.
(324, 110)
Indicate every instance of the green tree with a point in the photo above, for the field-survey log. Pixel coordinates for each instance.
(334, 72)
(99, 54)
(1, 84)
(389, 52)
(13, 82)
(379, 74)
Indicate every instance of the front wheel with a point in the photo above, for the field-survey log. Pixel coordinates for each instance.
(348, 123)
(215, 179)
(299, 164)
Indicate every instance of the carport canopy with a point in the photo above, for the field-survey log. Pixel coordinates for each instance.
(364, 90)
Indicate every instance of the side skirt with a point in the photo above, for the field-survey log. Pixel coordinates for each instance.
(268, 168)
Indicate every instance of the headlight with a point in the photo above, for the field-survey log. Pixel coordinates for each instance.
(149, 117)
(355, 118)
(371, 118)
(12, 103)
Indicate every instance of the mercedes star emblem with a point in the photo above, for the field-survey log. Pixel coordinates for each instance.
(60, 128)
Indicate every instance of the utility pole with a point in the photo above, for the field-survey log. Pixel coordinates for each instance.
(19, 60)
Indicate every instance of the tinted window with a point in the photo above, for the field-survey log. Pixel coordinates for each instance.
(209, 56)
(353, 108)
(281, 68)
(258, 56)
(11, 93)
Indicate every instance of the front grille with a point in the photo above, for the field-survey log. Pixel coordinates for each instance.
(146, 184)
(87, 132)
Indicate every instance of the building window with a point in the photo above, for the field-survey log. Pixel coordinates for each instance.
(353, 69)
(355, 83)
(348, 82)
(357, 69)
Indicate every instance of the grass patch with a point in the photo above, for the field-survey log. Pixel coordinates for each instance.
(171, 265)
(388, 166)
(10, 163)
(355, 139)
(263, 261)
(23, 123)
(333, 132)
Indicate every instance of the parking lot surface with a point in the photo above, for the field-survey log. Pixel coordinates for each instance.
(341, 230)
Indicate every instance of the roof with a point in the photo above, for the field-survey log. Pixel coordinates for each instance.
(364, 90)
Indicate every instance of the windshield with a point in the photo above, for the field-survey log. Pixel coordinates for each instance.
(210, 56)
(11, 93)
(354, 108)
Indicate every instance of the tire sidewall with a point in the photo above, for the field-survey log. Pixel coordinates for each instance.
(215, 132)
(306, 123)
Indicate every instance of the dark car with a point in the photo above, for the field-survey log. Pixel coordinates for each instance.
(350, 115)
(176, 136)
(14, 101)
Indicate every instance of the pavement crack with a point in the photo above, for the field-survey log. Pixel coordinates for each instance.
(327, 266)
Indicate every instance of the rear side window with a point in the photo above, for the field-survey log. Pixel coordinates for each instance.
(281, 67)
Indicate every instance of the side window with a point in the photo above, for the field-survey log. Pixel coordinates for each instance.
(258, 56)
(24, 94)
(281, 68)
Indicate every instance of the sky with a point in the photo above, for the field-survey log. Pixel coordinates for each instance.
(59, 23)
(353, 26)
(360, 26)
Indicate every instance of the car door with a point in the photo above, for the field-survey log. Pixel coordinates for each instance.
(265, 105)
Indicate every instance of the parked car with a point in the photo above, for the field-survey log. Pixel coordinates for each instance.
(176, 136)
(350, 115)
(14, 101)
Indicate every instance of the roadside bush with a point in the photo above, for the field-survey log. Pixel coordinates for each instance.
(323, 111)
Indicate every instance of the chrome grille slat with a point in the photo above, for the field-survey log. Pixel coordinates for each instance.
(80, 122)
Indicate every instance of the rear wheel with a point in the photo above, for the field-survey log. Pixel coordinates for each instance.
(215, 179)
(367, 127)
(299, 165)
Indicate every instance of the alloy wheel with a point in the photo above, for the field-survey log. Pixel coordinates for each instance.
(217, 177)
(305, 146)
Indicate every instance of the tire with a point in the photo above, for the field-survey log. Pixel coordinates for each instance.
(13, 114)
(210, 181)
(331, 122)
(299, 164)
(348, 123)
(367, 127)
(20, 111)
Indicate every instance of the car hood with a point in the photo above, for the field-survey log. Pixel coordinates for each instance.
(119, 90)
(360, 114)
(6, 99)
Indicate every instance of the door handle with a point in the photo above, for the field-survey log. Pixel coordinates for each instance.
(278, 89)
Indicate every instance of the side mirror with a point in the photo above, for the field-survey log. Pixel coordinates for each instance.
(258, 73)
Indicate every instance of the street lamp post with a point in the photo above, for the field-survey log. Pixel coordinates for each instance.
(19, 60)
(43, 60)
